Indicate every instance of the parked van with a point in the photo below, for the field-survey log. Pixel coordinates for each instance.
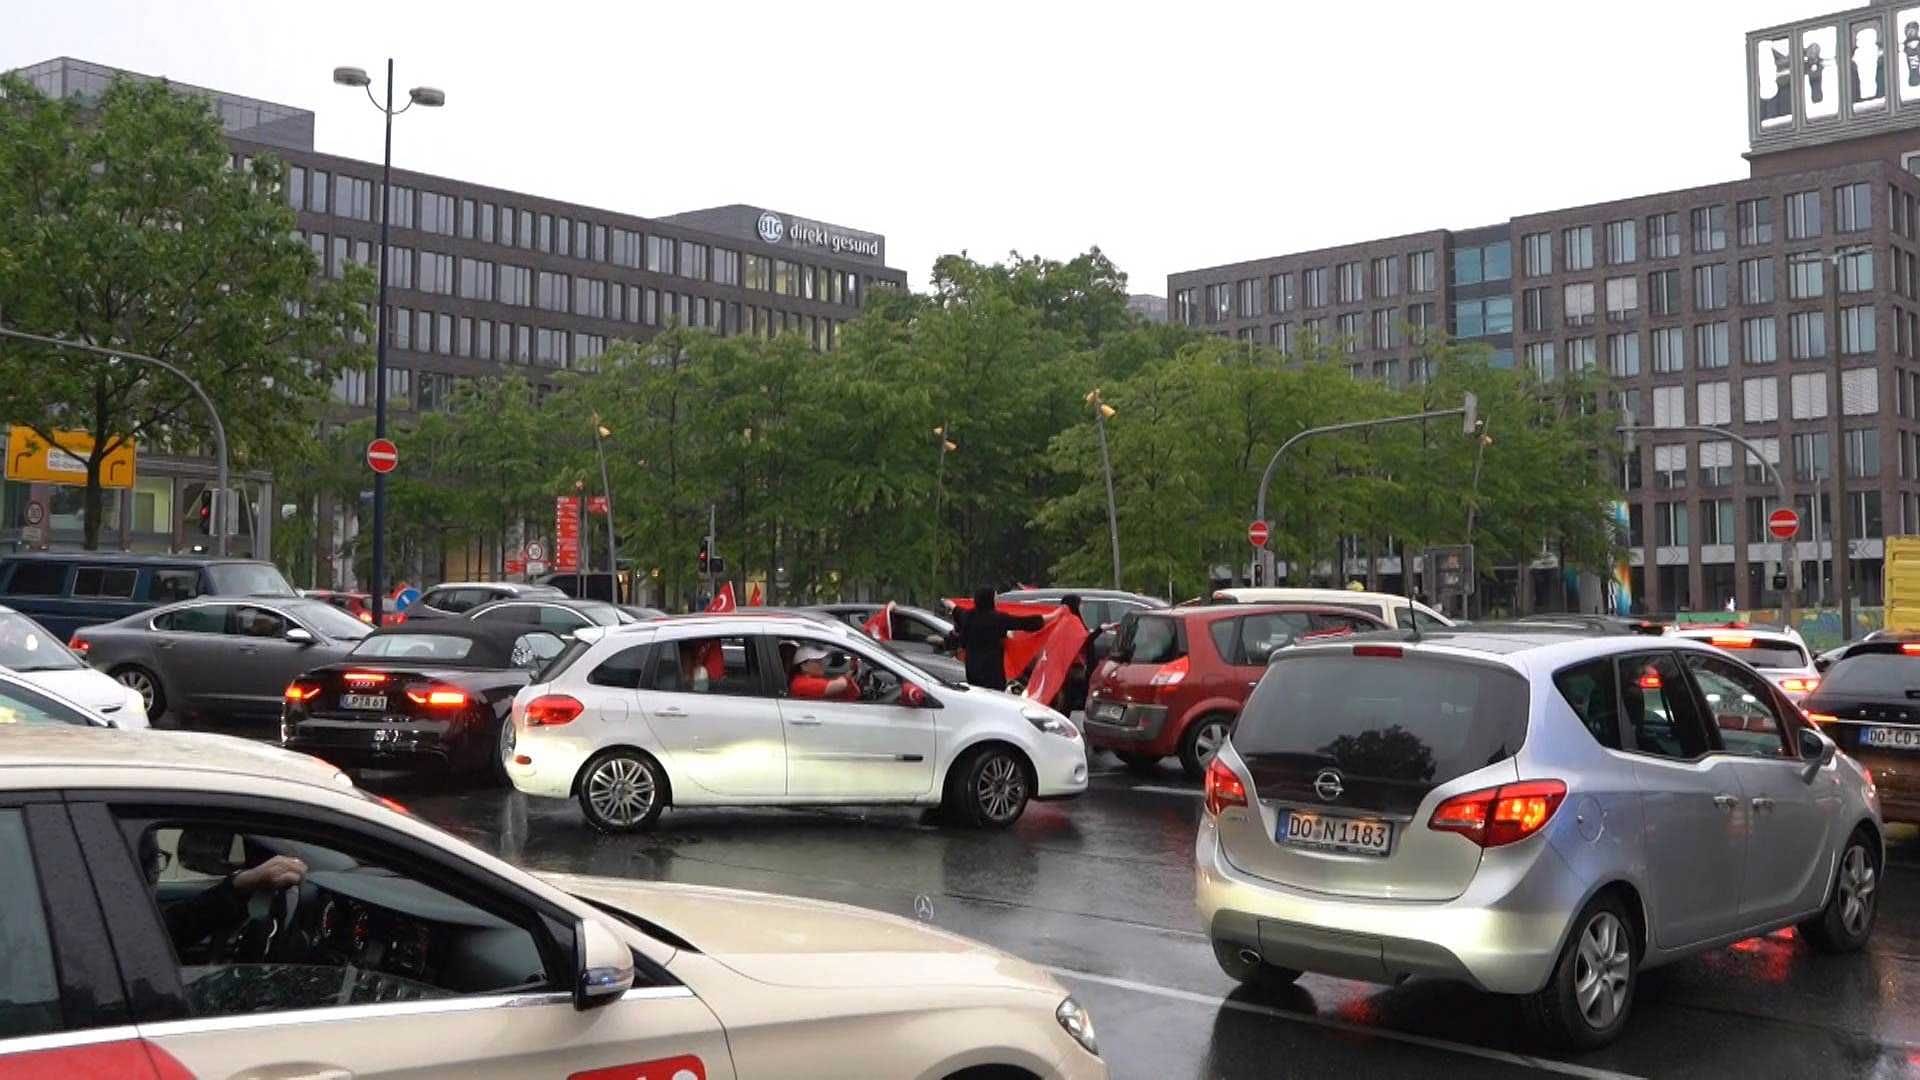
(66, 590)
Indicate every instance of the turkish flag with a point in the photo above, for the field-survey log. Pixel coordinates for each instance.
(879, 626)
(711, 657)
(1060, 643)
(722, 601)
(753, 596)
(1022, 645)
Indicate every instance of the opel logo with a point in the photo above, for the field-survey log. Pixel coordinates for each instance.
(1327, 785)
(772, 229)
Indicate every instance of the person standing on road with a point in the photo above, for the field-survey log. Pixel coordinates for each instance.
(982, 633)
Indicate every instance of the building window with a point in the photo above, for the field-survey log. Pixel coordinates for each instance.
(1536, 309)
(1621, 248)
(693, 260)
(1422, 273)
(1670, 525)
(589, 297)
(1540, 360)
(1808, 396)
(1253, 296)
(1807, 335)
(463, 345)
(1710, 287)
(1219, 297)
(523, 232)
(1756, 221)
(1805, 275)
(1384, 332)
(400, 206)
(1350, 326)
(1669, 406)
(1536, 253)
(1623, 298)
(1578, 243)
(483, 339)
(1856, 270)
(436, 391)
(1420, 317)
(485, 217)
(1282, 297)
(625, 250)
(350, 388)
(1716, 515)
(1803, 215)
(1663, 235)
(1860, 392)
(476, 279)
(466, 219)
(1317, 282)
(436, 273)
(1669, 350)
(1352, 283)
(1853, 207)
(400, 267)
(1663, 292)
(1709, 229)
(516, 286)
(1713, 403)
(550, 291)
(1577, 304)
(1756, 281)
(1756, 470)
(1810, 455)
(436, 213)
(1582, 355)
(1760, 400)
(297, 187)
(1863, 453)
(1386, 277)
(1623, 355)
(1710, 345)
(353, 197)
(1483, 318)
(1856, 330)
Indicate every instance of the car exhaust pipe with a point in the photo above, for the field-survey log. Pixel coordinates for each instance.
(1250, 956)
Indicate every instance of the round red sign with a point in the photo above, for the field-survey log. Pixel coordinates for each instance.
(1257, 534)
(1783, 523)
(382, 455)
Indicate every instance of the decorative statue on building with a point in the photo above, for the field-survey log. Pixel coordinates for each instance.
(1869, 67)
(1910, 50)
(1779, 104)
(1816, 72)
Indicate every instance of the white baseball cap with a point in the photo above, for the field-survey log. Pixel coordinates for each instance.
(807, 654)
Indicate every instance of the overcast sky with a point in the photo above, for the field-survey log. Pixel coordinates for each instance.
(1172, 136)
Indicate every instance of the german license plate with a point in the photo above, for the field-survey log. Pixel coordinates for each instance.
(1361, 836)
(368, 702)
(1891, 738)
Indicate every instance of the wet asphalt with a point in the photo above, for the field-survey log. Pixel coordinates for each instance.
(1099, 890)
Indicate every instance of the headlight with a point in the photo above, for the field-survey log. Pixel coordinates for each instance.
(1079, 1023)
(1049, 721)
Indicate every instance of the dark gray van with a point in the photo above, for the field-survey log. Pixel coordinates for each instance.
(66, 590)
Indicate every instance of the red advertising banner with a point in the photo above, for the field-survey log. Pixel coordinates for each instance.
(596, 504)
(566, 534)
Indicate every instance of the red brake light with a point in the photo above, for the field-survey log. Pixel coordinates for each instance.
(1911, 648)
(365, 678)
(1224, 787)
(1391, 652)
(1822, 718)
(1799, 684)
(365, 617)
(442, 697)
(300, 690)
(1171, 674)
(1493, 817)
(1732, 641)
(1650, 680)
(79, 644)
(552, 710)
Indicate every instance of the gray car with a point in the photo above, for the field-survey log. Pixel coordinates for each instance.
(221, 660)
(1537, 813)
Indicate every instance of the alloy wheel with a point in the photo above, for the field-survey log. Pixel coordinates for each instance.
(1208, 740)
(1002, 788)
(138, 680)
(621, 791)
(1857, 886)
(1602, 970)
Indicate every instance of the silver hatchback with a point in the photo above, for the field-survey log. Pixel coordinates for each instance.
(1532, 813)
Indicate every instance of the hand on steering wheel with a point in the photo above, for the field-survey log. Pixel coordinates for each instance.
(271, 893)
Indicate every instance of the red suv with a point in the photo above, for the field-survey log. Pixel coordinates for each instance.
(1176, 679)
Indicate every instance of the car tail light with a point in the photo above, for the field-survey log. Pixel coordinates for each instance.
(1493, 817)
(300, 690)
(364, 616)
(1224, 787)
(438, 697)
(552, 710)
(1171, 674)
(1911, 648)
(1799, 684)
(1649, 680)
(79, 644)
(1732, 641)
(1390, 652)
(365, 678)
(1823, 718)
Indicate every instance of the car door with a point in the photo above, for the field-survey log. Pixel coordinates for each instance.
(856, 749)
(191, 645)
(1788, 852)
(1694, 815)
(474, 977)
(710, 703)
(255, 662)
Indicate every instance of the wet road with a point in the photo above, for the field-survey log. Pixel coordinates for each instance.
(1100, 891)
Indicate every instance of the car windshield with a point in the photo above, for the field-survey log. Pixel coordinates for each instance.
(333, 622)
(602, 614)
(414, 647)
(26, 646)
(20, 705)
(248, 579)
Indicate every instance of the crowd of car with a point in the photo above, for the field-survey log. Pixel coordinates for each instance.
(1565, 801)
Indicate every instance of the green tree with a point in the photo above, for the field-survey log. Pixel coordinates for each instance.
(123, 224)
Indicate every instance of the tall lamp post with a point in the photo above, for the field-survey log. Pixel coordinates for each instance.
(947, 446)
(601, 433)
(430, 98)
(1101, 411)
(1840, 515)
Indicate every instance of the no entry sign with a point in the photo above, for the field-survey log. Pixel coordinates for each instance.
(1257, 534)
(1783, 523)
(382, 456)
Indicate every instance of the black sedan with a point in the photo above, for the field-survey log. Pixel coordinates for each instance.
(560, 614)
(433, 695)
(1869, 703)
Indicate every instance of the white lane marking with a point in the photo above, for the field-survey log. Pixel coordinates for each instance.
(1155, 789)
(1564, 1068)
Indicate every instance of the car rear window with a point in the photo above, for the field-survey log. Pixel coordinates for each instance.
(1153, 639)
(1874, 675)
(415, 647)
(1759, 652)
(1413, 719)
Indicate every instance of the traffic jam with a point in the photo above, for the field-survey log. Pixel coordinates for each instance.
(1269, 831)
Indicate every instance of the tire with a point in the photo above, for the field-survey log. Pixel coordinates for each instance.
(1845, 923)
(988, 789)
(1254, 973)
(1201, 741)
(622, 791)
(148, 684)
(1140, 764)
(502, 746)
(1589, 996)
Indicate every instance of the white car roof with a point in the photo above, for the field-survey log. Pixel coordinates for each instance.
(1281, 595)
(157, 753)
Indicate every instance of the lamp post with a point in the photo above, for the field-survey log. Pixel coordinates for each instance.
(1101, 411)
(600, 434)
(430, 98)
(1840, 516)
(947, 446)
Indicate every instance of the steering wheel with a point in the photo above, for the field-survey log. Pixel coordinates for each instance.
(268, 934)
(873, 688)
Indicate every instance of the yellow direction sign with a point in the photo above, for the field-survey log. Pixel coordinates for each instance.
(31, 460)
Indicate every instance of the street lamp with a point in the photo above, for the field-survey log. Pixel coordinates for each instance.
(947, 446)
(1840, 517)
(428, 97)
(1101, 411)
(600, 434)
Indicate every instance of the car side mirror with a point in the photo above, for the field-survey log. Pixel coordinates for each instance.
(1821, 664)
(300, 635)
(1817, 750)
(602, 965)
(937, 641)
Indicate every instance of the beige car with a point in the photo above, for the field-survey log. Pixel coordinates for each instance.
(245, 911)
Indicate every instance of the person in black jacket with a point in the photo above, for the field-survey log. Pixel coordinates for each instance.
(983, 632)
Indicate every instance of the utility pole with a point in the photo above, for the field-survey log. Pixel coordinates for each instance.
(1840, 525)
(1102, 410)
(713, 556)
(941, 436)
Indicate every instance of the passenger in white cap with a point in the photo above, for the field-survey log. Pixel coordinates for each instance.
(809, 679)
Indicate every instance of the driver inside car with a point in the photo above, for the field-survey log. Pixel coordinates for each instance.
(221, 907)
(808, 679)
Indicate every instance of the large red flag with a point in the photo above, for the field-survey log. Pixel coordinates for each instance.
(1022, 645)
(879, 626)
(722, 601)
(1061, 641)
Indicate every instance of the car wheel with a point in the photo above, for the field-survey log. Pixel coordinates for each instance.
(148, 686)
(622, 791)
(1143, 764)
(1201, 741)
(1252, 972)
(1588, 997)
(988, 789)
(502, 752)
(1843, 925)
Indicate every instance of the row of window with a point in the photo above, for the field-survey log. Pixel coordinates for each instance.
(1852, 213)
(1356, 280)
(1717, 461)
(315, 191)
(1673, 521)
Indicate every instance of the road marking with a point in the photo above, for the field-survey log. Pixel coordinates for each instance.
(1154, 789)
(1505, 1057)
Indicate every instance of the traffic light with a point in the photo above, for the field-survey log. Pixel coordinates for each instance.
(703, 554)
(709, 562)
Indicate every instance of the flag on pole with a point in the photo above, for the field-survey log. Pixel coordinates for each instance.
(879, 626)
(753, 595)
(722, 601)
(711, 656)
(1060, 643)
